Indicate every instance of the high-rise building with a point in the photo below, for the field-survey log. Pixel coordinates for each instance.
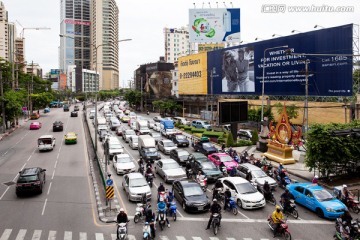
(176, 43)
(20, 50)
(4, 33)
(75, 26)
(11, 42)
(105, 36)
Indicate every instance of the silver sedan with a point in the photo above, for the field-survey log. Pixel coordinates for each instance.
(169, 170)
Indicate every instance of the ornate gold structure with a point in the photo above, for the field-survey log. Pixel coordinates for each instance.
(280, 136)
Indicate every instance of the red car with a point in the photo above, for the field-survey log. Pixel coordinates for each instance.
(218, 158)
(35, 125)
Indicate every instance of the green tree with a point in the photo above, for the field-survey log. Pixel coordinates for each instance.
(229, 140)
(133, 97)
(14, 100)
(41, 100)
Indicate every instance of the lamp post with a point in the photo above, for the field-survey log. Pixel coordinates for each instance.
(212, 72)
(263, 83)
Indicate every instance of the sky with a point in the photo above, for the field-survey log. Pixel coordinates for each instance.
(143, 21)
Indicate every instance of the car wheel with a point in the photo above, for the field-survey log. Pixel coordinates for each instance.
(239, 203)
(320, 213)
(128, 197)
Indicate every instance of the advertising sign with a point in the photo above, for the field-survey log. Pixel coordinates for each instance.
(77, 22)
(239, 70)
(214, 25)
(193, 74)
(210, 47)
(54, 71)
(62, 82)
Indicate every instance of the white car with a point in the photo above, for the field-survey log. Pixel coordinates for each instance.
(166, 146)
(123, 164)
(157, 127)
(134, 142)
(245, 194)
(135, 185)
(169, 170)
(168, 132)
(156, 136)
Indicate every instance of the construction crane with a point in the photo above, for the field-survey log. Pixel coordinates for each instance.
(30, 28)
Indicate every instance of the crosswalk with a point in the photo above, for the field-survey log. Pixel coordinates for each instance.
(24, 234)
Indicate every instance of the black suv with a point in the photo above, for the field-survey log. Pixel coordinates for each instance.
(58, 126)
(180, 140)
(30, 180)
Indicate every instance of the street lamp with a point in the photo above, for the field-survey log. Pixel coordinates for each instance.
(96, 78)
(274, 35)
(263, 78)
(318, 26)
(294, 31)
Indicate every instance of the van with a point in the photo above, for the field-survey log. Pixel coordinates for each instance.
(182, 121)
(46, 142)
(101, 121)
(92, 114)
(115, 147)
(201, 124)
(114, 123)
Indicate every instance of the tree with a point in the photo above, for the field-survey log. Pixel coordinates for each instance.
(229, 140)
(41, 100)
(14, 100)
(133, 97)
(291, 110)
(254, 114)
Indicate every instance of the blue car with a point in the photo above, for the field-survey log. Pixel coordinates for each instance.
(317, 199)
(46, 110)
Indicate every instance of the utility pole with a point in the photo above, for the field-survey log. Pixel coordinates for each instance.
(31, 87)
(141, 101)
(306, 107)
(213, 71)
(2, 102)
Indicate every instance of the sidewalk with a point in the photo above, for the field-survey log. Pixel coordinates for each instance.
(22, 121)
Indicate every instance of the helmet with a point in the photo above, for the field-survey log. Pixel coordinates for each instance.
(122, 210)
(266, 181)
(316, 176)
(214, 200)
(161, 199)
(170, 193)
(280, 164)
(278, 207)
(286, 190)
(149, 167)
(344, 186)
(161, 184)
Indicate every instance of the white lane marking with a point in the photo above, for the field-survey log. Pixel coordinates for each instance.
(214, 238)
(240, 220)
(180, 238)
(3, 196)
(83, 236)
(43, 210)
(21, 234)
(23, 167)
(67, 235)
(113, 236)
(131, 237)
(196, 238)
(230, 239)
(179, 213)
(52, 177)
(243, 215)
(36, 235)
(55, 163)
(268, 239)
(164, 238)
(58, 155)
(29, 158)
(99, 236)
(49, 188)
(52, 235)
(247, 238)
(6, 234)
(15, 177)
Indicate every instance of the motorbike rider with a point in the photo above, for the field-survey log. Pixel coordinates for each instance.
(230, 151)
(266, 190)
(215, 208)
(280, 168)
(147, 112)
(188, 166)
(141, 163)
(122, 216)
(223, 147)
(148, 164)
(218, 185)
(150, 218)
(315, 180)
(148, 172)
(345, 195)
(277, 217)
(346, 217)
(285, 199)
(161, 188)
(200, 177)
(227, 195)
(233, 171)
(161, 207)
(144, 199)
(282, 176)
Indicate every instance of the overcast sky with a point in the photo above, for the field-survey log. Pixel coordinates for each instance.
(143, 21)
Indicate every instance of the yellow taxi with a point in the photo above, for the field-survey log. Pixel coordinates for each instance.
(71, 138)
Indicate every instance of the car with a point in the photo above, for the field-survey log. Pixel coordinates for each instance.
(30, 180)
(58, 126)
(190, 195)
(151, 124)
(123, 164)
(157, 127)
(201, 124)
(168, 132)
(66, 108)
(114, 123)
(253, 173)
(244, 134)
(157, 118)
(133, 142)
(127, 133)
(119, 131)
(149, 154)
(182, 121)
(317, 199)
(245, 194)
(180, 140)
(34, 116)
(71, 138)
(169, 170)
(35, 125)
(197, 157)
(76, 108)
(205, 147)
(156, 136)
(102, 127)
(125, 119)
(73, 114)
(179, 155)
(135, 185)
(165, 146)
(103, 134)
(208, 169)
(46, 110)
(218, 158)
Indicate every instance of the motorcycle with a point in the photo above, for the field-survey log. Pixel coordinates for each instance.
(121, 231)
(353, 205)
(283, 229)
(147, 113)
(162, 219)
(284, 183)
(218, 194)
(189, 173)
(149, 179)
(224, 171)
(203, 184)
(291, 210)
(215, 223)
(269, 197)
(147, 235)
(162, 195)
(172, 210)
(351, 233)
(231, 206)
(139, 212)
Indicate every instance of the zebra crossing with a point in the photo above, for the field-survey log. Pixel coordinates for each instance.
(24, 234)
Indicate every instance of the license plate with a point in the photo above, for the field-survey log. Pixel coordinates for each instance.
(201, 208)
(184, 144)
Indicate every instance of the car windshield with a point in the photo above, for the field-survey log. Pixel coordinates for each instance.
(134, 140)
(155, 135)
(171, 165)
(26, 179)
(258, 174)
(150, 150)
(130, 132)
(323, 195)
(115, 146)
(180, 137)
(226, 158)
(138, 182)
(207, 145)
(169, 144)
(208, 166)
(193, 190)
(183, 154)
(170, 130)
(123, 160)
(206, 123)
(245, 188)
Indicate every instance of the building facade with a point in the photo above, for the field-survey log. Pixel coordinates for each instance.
(105, 37)
(175, 81)
(34, 69)
(75, 26)
(176, 43)
(4, 33)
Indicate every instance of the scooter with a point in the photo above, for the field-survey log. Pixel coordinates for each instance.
(147, 232)
(292, 209)
(284, 183)
(218, 194)
(162, 219)
(353, 205)
(231, 206)
(269, 197)
(149, 179)
(189, 173)
(203, 184)
(283, 229)
(121, 231)
(172, 210)
(215, 223)
(139, 212)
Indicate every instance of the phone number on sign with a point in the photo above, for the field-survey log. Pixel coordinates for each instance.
(195, 74)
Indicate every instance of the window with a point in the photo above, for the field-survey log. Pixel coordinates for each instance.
(308, 193)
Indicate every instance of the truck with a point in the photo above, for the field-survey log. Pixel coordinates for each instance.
(147, 150)
(167, 128)
(142, 127)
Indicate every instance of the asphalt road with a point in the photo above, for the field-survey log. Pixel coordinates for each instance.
(247, 224)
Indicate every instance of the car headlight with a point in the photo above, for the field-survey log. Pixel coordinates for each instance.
(330, 210)
(245, 201)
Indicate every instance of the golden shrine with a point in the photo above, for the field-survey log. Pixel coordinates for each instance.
(280, 136)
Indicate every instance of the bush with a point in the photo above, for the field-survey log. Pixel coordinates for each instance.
(213, 134)
(242, 143)
(255, 137)
(199, 135)
(230, 140)
(197, 130)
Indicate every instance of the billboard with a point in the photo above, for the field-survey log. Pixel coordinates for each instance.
(193, 74)
(233, 112)
(214, 25)
(62, 81)
(239, 70)
(210, 47)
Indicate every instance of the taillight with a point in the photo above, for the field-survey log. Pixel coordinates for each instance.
(18, 185)
(37, 183)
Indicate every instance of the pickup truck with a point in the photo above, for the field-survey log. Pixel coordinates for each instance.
(205, 147)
